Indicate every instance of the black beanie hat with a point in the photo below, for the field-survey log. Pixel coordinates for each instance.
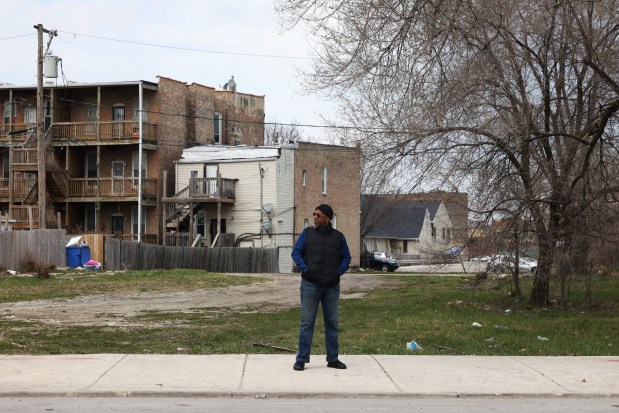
(325, 209)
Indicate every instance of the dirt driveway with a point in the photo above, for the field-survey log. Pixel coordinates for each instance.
(275, 292)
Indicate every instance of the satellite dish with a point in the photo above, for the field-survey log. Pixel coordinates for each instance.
(266, 225)
(266, 208)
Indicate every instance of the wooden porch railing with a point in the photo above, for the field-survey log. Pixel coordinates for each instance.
(207, 188)
(111, 187)
(178, 239)
(108, 131)
(25, 157)
(146, 238)
(21, 187)
(23, 132)
(24, 214)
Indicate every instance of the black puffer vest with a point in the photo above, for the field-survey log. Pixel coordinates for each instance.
(322, 254)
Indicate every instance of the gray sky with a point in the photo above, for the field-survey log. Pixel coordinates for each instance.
(234, 31)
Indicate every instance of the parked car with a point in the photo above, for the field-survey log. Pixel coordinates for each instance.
(505, 263)
(381, 261)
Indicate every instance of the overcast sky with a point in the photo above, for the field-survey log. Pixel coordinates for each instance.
(233, 32)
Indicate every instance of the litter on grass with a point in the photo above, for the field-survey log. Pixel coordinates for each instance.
(413, 346)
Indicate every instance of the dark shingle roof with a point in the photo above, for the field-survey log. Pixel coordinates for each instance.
(401, 219)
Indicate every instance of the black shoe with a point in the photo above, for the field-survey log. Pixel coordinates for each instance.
(300, 366)
(336, 364)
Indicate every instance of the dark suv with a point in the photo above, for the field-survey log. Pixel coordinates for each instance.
(380, 261)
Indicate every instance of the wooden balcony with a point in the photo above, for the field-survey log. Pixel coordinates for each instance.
(16, 132)
(27, 217)
(206, 190)
(21, 188)
(85, 133)
(25, 159)
(116, 188)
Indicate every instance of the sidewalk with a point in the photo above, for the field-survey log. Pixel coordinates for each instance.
(273, 376)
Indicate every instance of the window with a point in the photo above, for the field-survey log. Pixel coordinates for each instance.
(89, 222)
(118, 171)
(135, 159)
(91, 115)
(91, 172)
(305, 223)
(324, 179)
(118, 116)
(91, 165)
(117, 223)
(91, 119)
(334, 221)
(303, 178)
(433, 229)
(7, 112)
(217, 124)
(405, 247)
(30, 114)
(444, 235)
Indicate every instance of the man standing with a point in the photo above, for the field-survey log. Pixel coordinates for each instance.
(321, 254)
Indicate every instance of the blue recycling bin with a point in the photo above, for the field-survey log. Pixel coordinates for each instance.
(85, 255)
(78, 256)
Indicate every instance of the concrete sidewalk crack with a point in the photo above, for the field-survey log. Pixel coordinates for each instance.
(103, 374)
(540, 373)
(387, 374)
(240, 387)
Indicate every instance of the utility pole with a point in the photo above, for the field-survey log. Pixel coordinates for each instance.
(41, 146)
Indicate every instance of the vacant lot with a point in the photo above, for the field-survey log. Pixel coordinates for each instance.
(276, 291)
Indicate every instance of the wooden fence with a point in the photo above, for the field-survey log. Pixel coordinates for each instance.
(121, 255)
(41, 246)
(48, 247)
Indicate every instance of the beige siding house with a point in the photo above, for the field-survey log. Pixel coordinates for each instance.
(262, 197)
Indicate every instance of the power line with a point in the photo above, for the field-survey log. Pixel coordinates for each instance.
(248, 122)
(188, 49)
(15, 37)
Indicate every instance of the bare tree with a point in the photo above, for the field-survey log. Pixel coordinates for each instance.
(519, 97)
(276, 133)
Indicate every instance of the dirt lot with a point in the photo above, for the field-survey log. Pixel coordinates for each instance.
(276, 292)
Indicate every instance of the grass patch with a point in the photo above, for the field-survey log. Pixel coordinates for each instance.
(436, 311)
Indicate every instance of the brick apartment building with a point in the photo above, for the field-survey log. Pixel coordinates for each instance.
(94, 134)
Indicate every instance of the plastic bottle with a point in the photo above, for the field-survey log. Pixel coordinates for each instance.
(413, 346)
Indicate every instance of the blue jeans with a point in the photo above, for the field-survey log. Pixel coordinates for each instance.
(313, 295)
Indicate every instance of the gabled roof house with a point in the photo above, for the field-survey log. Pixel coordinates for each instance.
(406, 229)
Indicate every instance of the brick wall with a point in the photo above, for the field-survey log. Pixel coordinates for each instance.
(343, 192)
(243, 117)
